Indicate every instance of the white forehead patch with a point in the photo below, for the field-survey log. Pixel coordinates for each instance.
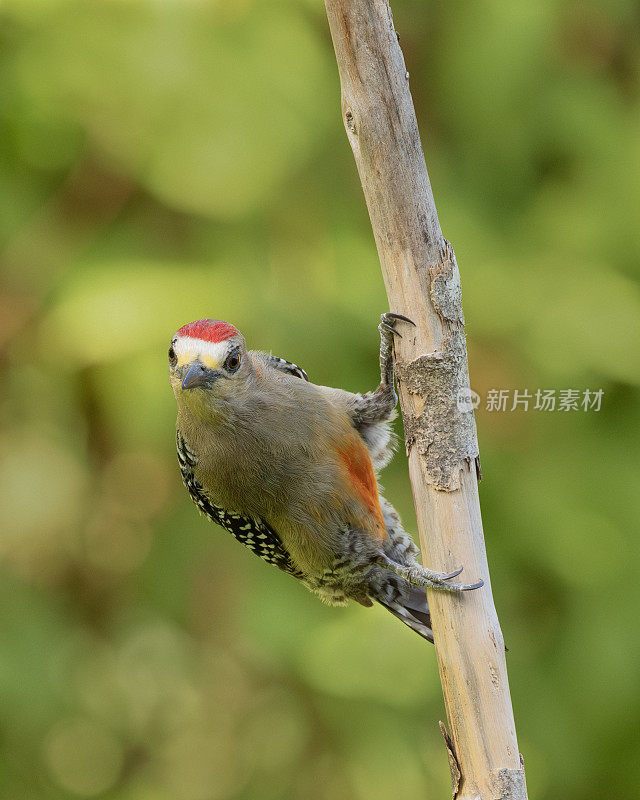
(185, 345)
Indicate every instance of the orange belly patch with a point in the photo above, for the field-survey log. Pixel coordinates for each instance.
(363, 480)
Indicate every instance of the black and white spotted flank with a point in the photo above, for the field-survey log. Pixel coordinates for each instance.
(253, 533)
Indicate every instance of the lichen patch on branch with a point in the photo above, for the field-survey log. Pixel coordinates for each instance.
(510, 784)
(443, 432)
(445, 288)
(442, 428)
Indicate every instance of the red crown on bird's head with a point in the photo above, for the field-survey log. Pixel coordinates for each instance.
(209, 330)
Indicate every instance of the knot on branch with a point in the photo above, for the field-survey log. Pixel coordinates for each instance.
(442, 428)
(350, 122)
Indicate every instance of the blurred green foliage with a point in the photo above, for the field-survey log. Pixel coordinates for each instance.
(165, 160)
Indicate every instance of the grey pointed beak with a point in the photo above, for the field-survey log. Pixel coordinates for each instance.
(199, 375)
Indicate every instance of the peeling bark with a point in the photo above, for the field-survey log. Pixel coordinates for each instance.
(454, 767)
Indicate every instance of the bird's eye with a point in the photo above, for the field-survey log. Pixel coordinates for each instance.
(172, 355)
(233, 361)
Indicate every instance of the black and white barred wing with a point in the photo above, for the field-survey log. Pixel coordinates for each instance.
(255, 534)
(289, 367)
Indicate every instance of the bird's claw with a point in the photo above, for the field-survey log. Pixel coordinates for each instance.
(388, 327)
(457, 587)
(388, 319)
(393, 315)
(468, 586)
(440, 582)
(445, 577)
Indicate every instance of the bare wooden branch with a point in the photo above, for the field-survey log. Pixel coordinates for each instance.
(422, 281)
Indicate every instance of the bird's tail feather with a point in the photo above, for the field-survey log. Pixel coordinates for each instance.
(407, 603)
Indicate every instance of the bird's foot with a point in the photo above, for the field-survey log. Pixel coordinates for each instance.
(421, 576)
(417, 575)
(387, 332)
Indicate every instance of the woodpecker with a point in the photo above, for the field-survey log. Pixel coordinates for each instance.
(289, 468)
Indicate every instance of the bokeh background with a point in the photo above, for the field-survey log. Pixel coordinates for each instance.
(165, 160)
